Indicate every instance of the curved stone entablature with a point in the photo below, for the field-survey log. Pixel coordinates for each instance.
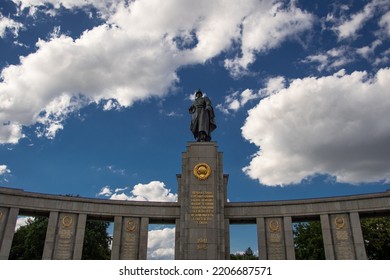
(28, 202)
(364, 204)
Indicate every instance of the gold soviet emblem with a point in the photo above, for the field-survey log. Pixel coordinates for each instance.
(67, 221)
(130, 226)
(339, 222)
(202, 171)
(1, 215)
(274, 226)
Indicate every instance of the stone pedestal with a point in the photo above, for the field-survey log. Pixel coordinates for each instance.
(201, 233)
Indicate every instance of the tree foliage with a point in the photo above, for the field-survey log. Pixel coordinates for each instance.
(308, 241)
(29, 240)
(376, 234)
(247, 255)
(96, 241)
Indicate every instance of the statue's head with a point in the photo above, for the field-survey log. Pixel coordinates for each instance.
(198, 94)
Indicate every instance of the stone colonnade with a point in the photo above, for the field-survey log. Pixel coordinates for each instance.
(339, 217)
(202, 217)
(342, 235)
(67, 217)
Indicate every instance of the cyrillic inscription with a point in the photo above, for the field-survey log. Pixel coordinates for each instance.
(202, 206)
(64, 245)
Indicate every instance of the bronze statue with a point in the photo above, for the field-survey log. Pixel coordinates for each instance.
(202, 117)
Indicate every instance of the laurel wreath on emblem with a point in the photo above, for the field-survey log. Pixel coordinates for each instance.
(67, 221)
(274, 226)
(339, 222)
(130, 226)
(202, 171)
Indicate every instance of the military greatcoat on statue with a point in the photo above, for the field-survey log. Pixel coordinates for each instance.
(202, 118)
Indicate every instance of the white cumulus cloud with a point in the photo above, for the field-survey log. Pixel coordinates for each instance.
(348, 27)
(236, 100)
(4, 169)
(9, 25)
(336, 125)
(22, 221)
(265, 28)
(132, 56)
(52, 6)
(153, 191)
(105, 191)
(385, 23)
(333, 59)
(161, 244)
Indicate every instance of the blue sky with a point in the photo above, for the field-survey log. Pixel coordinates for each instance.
(94, 95)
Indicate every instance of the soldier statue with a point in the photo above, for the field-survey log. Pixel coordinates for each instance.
(202, 117)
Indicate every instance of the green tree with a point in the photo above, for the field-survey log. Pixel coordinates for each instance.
(376, 234)
(247, 255)
(29, 240)
(96, 241)
(308, 241)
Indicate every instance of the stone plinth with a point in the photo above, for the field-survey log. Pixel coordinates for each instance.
(201, 233)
